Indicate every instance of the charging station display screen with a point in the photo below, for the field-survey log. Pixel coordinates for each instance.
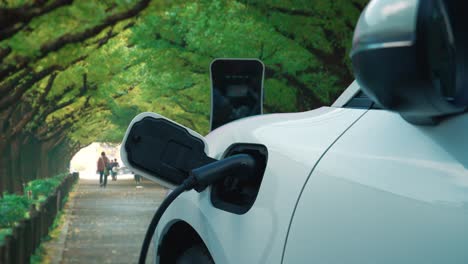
(236, 90)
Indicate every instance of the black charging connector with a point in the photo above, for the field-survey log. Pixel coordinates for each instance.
(242, 165)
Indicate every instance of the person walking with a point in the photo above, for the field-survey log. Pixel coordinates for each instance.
(103, 164)
(115, 165)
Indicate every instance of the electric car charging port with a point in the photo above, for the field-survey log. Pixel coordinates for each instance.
(237, 193)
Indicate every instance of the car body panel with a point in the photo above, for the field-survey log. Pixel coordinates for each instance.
(386, 192)
(295, 143)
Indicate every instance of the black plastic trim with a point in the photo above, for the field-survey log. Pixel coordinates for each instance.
(164, 150)
(237, 194)
(410, 79)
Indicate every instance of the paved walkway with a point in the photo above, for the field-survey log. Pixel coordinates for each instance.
(106, 225)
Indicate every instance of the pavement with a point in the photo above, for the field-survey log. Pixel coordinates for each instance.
(105, 225)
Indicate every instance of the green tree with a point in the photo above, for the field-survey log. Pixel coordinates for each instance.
(74, 72)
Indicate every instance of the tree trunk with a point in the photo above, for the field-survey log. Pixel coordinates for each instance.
(44, 168)
(29, 158)
(16, 177)
(4, 167)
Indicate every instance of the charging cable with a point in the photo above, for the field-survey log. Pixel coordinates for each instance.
(200, 178)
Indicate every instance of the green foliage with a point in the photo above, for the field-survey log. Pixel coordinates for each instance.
(13, 208)
(280, 96)
(38, 255)
(14, 3)
(158, 61)
(42, 188)
(4, 232)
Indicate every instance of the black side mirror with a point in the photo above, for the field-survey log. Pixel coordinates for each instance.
(163, 150)
(411, 57)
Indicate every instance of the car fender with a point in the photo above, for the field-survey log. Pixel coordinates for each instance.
(295, 144)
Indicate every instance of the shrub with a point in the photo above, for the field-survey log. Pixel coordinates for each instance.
(4, 232)
(42, 188)
(13, 208)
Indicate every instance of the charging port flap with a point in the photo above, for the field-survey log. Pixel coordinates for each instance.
(162, 150)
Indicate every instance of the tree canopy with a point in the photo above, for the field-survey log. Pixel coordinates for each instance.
(74, 72)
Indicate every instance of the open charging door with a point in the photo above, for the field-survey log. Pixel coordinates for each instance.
(162, 150)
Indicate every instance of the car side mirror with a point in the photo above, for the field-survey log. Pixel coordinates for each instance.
(410, 56)
(162, 150)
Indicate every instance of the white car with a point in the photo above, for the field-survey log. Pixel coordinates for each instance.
(379, 177)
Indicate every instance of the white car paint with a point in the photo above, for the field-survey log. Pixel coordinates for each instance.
(386, 192)
(295, 143)
(369, 188)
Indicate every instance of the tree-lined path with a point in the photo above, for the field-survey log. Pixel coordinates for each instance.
(105, 225)
(77, 72)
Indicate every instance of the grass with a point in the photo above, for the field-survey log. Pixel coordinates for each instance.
(36, 258)
(40, 255)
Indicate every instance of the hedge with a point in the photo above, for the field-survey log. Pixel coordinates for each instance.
(25, 219)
